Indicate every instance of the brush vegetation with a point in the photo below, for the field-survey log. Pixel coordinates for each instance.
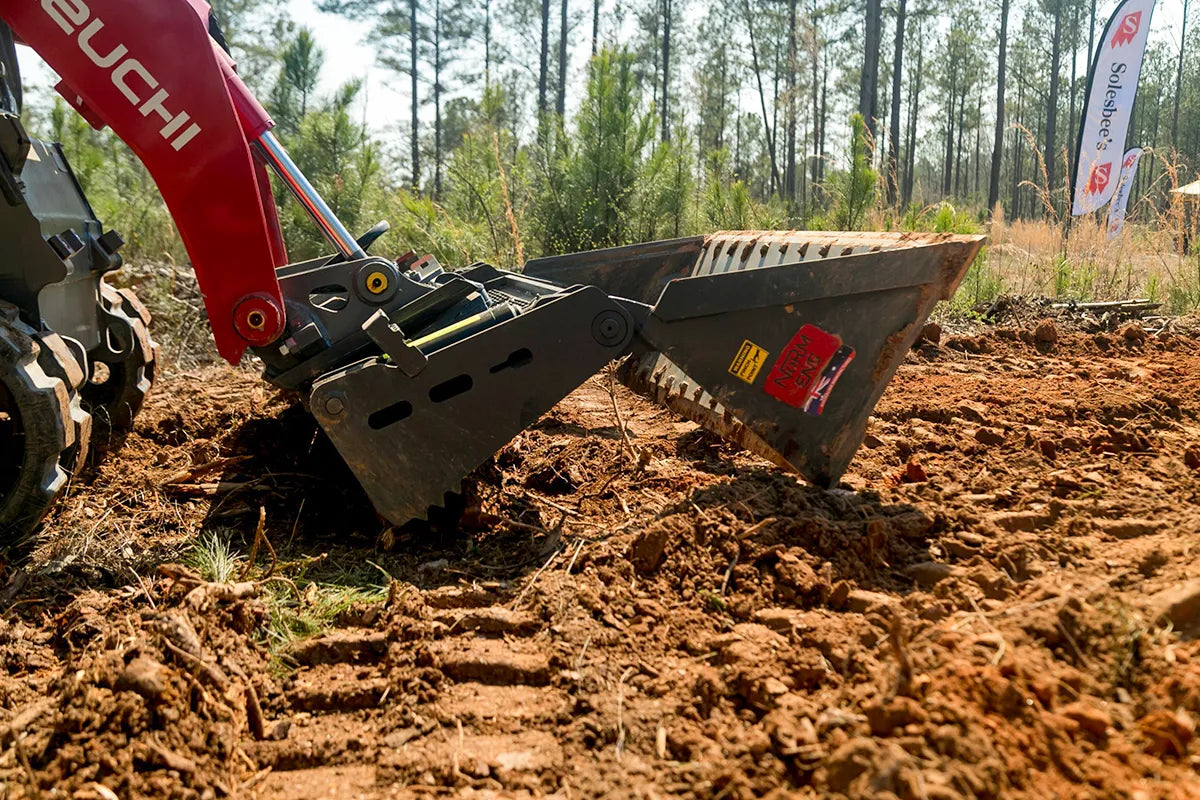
(605, 176)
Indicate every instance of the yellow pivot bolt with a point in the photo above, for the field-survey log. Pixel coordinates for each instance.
(377, 283)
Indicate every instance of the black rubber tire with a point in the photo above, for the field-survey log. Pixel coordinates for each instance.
(56, 358)
(36, 428)
(116, 401)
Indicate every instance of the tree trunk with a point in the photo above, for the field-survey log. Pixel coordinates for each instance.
(737, 148)
(768, 130)
(416, 121)
(1149, 169)
(666, 71)
(1017, 166)
(948, 170)
(789, 172)
(487, 43)
(998, 140)
(960, 186)
(1018, 156)
(721, 118)
(595, 26)
(814, 54)
(868, 89)
(803, 173)
(1050, 151)
(1071, 100)
(1036, 207)
(1179, 77)
(894, 125)
(544, 66)
(978, 141)
(823, 117)
(561, 105)
(1092, 36)
(775, 116)
(437, 99)
(910, 147)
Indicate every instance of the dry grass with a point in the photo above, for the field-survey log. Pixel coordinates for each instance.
(1073, 259)
(1036, 258)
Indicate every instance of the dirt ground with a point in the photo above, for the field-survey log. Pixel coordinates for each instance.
(1001, 601)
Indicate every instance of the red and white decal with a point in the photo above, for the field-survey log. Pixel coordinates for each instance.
(808, 369)
(1120, 201)
(135, 82)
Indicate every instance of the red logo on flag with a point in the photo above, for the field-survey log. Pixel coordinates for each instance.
(1098, 179)
(1129, 161)
(1127, 29)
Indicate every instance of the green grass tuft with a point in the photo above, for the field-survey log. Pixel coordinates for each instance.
(215, 559)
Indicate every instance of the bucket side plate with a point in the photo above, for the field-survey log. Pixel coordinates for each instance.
(846, 308)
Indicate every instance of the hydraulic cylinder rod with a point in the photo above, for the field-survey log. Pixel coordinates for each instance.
(307, 195)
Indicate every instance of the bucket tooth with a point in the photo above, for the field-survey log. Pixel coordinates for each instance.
(653, 376)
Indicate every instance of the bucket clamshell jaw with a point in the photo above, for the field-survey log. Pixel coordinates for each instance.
(780, 342)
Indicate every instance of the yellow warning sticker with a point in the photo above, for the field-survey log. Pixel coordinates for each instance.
(748, 361)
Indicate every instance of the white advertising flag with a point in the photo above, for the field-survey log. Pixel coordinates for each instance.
(1116, 211)
(1112, 86)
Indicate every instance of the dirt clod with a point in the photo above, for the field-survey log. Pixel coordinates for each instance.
(341, 648)
(915, 473)
(1179, 605)
(886, 717)
(1133, 334)
(1167, 733)
(492, 621)
(1045, 335)
(649, 548)
(1129, 528)
(929, 573)
(492, 662)
(990, 437)
(1020, 520)
(1093, 720)
(145, 676)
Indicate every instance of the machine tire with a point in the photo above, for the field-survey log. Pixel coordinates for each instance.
(116, 400)
(38, 431)
(57, 360)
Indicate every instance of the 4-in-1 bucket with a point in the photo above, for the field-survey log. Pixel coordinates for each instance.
(780, 342)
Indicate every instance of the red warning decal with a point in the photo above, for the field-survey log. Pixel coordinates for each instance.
(808, 368)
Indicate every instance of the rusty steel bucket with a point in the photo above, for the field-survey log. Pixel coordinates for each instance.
(781, 342)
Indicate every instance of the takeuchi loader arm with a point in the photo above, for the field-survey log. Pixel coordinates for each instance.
(781, 342)
(151, 72)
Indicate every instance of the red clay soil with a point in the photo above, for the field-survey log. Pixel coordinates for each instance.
(1001, 601)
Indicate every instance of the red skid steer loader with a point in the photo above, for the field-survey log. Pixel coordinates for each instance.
(781, 342)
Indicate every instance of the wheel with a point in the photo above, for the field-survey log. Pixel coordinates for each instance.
(122, 374)
(57, 360)
(40, 428)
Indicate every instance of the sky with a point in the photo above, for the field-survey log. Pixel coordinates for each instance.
(385, 100)
(347, 59)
